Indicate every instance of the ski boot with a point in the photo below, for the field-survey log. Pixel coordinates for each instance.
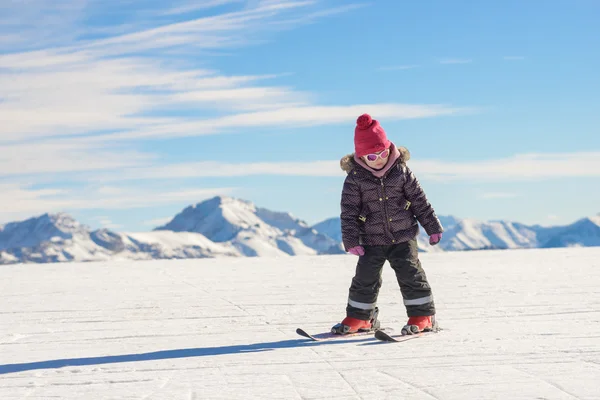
(417, 325)
(353, 325)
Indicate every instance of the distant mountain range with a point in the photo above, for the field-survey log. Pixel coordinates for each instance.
(228, 227)
(469, 234)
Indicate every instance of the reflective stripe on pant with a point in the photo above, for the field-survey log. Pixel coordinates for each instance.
(403, 258)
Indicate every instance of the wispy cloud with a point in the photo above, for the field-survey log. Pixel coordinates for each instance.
(522, 167)
(526, 167)
(398, 67)
(105, 222)
(286, 117)
(455, 61)
(76, 100)
(98, 192)
(207, 169)
(192, 7)
(18, 201)
(39, 23)
(158, 221)
(313, 16)
(66, 156)
(98, 86)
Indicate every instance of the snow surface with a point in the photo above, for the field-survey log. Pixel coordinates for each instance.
(168, 244)
(518, 324)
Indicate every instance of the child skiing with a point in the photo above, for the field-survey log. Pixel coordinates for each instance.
(382, 203)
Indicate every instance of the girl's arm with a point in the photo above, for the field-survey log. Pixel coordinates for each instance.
(350, 205)
(420, 206)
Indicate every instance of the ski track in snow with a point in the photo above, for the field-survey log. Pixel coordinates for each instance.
(549, 382)
(224, 329)
(412, 386)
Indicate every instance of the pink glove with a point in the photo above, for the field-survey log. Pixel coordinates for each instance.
(435, 239)
(357, 251)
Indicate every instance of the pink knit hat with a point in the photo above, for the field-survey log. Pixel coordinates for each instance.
(369, 136)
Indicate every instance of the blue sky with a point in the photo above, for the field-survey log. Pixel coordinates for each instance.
(123, 113)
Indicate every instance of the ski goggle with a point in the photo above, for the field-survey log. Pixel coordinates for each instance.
(384, 154)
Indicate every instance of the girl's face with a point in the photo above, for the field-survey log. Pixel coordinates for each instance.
(377, 160)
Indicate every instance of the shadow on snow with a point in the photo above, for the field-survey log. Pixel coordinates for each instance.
(169, 354)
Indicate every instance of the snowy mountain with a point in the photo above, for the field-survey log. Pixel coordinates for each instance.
(251, 230)
(330, 227)
(60, 238)
(49, 238)
(34, 231)
(229, 227)
(470, 234)
(585, 232)
(219, 227)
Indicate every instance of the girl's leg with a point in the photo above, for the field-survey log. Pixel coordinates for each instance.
(362, 298)
(416, 292)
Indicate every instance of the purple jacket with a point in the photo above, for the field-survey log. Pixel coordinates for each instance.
(384, 210)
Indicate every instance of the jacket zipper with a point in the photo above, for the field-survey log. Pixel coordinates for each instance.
(387, 221)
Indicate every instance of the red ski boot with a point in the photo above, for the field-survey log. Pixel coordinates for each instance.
(419, 324)
(353, 325)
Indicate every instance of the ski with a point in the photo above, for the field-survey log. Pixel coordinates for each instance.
(332, 336)
(383, 336)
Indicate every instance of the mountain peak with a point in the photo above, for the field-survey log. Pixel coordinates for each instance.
(595, 219)
(220, 202)
(252, 230)
(62, 221)
(219, 218)
(36, 230)
(584, 232)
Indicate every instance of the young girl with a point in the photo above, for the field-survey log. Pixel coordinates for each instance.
(381, 206)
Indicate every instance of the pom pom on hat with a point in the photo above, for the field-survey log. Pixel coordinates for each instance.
(364, 121)
(369, 136)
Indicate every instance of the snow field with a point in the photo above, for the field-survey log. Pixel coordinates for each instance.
(518, 324)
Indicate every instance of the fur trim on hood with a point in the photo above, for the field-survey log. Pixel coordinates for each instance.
(347, 162)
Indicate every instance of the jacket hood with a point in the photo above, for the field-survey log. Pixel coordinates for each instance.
(347, 162)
